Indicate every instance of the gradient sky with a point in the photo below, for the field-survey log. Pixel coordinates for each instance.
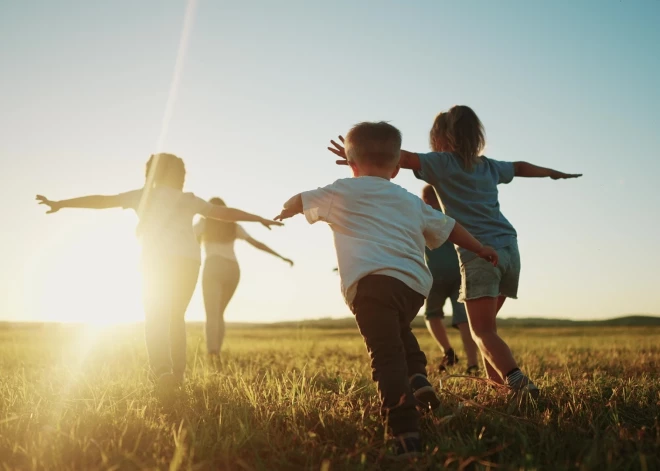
(265, 85)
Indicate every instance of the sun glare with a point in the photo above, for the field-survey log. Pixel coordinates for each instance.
(88, 274)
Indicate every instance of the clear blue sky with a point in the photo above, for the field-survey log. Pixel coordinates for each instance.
(265, 85)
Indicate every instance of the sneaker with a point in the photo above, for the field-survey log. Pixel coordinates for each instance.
(408, 447)
(472, 370)
(450, 359)
(525, 388)
(424, 392)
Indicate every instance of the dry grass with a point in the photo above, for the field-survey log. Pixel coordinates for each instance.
(73, 398)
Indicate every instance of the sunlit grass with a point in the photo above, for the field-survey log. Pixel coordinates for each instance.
(79, 398)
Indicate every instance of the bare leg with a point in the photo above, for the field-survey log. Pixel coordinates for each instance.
(469, 346)
(498, 359)
(438, 331)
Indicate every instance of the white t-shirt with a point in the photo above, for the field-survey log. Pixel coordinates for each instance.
(166, 227)
(220, 249)
(379, 228)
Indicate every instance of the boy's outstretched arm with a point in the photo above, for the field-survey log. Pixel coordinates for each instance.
(409, 160)
(461, 237)
(231, 214)
(292, 207)
(525, 169)
(85, 202)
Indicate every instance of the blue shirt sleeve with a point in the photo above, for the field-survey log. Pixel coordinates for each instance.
(503, 170)
(432, 165)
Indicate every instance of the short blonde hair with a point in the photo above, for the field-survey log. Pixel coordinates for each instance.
(459, 131)
(377, 144)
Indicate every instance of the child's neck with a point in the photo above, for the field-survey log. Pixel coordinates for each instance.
(373, 172)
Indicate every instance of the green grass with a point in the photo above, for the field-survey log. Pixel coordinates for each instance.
(303, 399)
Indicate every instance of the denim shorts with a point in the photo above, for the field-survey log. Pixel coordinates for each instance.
(440, 291)
(480, 279)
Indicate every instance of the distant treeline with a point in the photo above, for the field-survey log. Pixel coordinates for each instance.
(348, 322)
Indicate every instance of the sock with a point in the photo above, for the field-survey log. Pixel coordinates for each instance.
(514, 377)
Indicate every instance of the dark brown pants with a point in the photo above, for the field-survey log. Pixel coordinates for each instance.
(384, 307)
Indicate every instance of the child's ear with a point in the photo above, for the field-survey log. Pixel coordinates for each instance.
(396, 171)
(354, 169)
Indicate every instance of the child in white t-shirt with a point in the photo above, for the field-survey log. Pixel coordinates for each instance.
(380, 231)
(170, 255)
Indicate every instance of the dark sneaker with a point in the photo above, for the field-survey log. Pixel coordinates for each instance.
(408, 447)
(472, 370)
(424, 392)
(450, 359)
(525, 389)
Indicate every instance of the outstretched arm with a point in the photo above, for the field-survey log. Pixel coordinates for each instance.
(525, 169)
(409, 160)
(231, 214)
(292, 207)
(461, 237)
(265, 248)
(86, 202)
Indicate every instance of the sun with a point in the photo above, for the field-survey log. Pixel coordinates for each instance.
(87, 271)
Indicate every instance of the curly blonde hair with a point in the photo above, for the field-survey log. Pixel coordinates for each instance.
(460, 132)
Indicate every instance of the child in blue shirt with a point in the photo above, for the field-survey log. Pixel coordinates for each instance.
(446, 271)
(466, 184)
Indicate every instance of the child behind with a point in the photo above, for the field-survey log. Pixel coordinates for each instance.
(380, 231)
(446, 271)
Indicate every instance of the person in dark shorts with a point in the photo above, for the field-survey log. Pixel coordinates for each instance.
(444, 266)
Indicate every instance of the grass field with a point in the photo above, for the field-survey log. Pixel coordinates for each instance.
(79, 398)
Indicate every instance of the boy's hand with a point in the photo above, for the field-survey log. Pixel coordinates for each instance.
(489, 253)
(555, 175)
(286, 213)
(267, 223)
(339, 150)
(54, 205)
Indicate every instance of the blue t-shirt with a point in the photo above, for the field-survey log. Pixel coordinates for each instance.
(471, 197)
(443, 264)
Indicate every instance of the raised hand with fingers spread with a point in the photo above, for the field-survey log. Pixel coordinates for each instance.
(339, 151)
(53, 205)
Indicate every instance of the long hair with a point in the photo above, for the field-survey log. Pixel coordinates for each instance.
(218, 231)
(170, 171)
(460, 132)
